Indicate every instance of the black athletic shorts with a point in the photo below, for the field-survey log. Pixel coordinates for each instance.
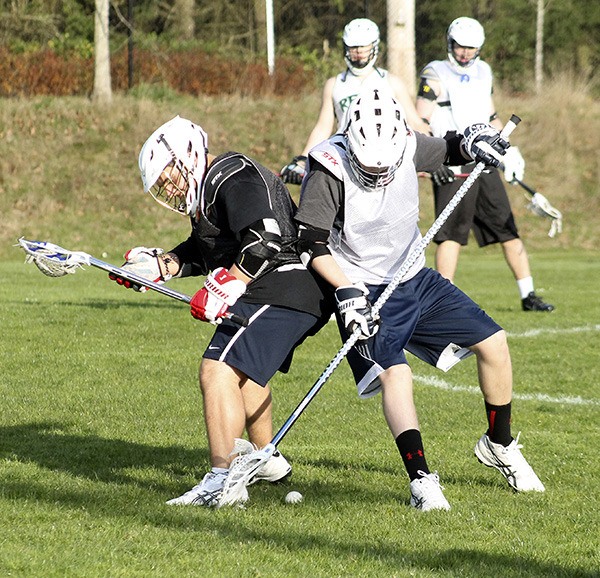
(485, 209)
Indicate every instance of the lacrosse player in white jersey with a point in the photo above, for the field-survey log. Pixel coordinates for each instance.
(243, 238)
(358, 222)
(453, 94)
(361, 48)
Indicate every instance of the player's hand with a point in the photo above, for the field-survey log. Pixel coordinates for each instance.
(145, 262)
(442, 176)
(514, 165)
(355, 310)
(484, 144)
(221, 290)
(294, 172)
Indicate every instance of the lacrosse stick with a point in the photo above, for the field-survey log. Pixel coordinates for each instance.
(538, 204)
(54, 261)
(541, 206)
(247, 464)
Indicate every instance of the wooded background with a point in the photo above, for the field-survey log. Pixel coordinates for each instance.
(307, 34)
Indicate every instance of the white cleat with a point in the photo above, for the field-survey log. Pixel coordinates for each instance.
(426, 493)
(509, 461)
(275, 470)
(206, 493)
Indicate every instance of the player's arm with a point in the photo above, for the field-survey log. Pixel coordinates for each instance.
(319, 203)
(326, 120)
(294, 171)
(403, 97)
(427, 94)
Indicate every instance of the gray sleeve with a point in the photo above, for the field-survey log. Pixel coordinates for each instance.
(320, 198)
(430, 154)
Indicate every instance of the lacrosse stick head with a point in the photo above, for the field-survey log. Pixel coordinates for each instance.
(541, 206)
(50, 259)
(241, 471)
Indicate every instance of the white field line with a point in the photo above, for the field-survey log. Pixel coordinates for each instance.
(566, 400)
(562, 400)
(547, 331)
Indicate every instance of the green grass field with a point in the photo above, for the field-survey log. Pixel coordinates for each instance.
(101, 423)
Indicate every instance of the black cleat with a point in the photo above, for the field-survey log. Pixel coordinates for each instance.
(534, 303)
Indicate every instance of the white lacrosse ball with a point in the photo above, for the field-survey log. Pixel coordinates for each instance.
(294, 498)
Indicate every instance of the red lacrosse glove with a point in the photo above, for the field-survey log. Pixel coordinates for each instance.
(221, 290)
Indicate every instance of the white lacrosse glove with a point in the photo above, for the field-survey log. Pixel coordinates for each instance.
(221, 290)
(541, 206)
(294, 173)
(145, 262)
(356, 310)
(514, 165)
(483, 143)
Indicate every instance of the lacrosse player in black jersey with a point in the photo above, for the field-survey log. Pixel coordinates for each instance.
(358, 224)
(243, 238)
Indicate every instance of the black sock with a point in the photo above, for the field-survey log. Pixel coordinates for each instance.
(498, 417)
(410, 446)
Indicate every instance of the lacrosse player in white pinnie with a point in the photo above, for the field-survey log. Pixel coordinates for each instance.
(358, 222)
(361, 48)
(453, 94)
(243, 239)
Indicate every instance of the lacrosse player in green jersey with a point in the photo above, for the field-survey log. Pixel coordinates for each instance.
(361, 48)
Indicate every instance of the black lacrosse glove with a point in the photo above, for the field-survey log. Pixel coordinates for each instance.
(294, 173)
(356, 310)
(484, 144)
(442, 176)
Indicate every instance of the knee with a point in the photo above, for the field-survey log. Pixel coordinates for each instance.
(495, 347)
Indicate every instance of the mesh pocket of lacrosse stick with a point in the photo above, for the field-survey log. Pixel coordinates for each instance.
(541, 206)
(48, 259)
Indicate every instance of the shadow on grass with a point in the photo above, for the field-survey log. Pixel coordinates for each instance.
(52, 446)
(108, 304)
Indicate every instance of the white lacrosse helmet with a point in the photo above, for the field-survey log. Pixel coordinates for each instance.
(361, 32)
(178, 149)
(376, 137)
(466, 32)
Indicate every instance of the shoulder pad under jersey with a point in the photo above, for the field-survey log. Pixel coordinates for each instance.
(328, 153)
(224, 167)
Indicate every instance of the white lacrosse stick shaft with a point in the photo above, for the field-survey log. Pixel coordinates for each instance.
(46, 251)
(244, 467)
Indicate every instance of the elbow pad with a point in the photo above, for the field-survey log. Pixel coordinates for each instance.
(312, 243)
(261, 243)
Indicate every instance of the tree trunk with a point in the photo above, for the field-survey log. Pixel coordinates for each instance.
(260, 22)
(539, 46)
(401, 41)
(183, 19)
(102, 92)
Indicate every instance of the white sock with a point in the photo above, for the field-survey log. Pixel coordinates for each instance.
(219, 470)
(525, 286)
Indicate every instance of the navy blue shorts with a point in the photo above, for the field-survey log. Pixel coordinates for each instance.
(429, 317)
(267, 344)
